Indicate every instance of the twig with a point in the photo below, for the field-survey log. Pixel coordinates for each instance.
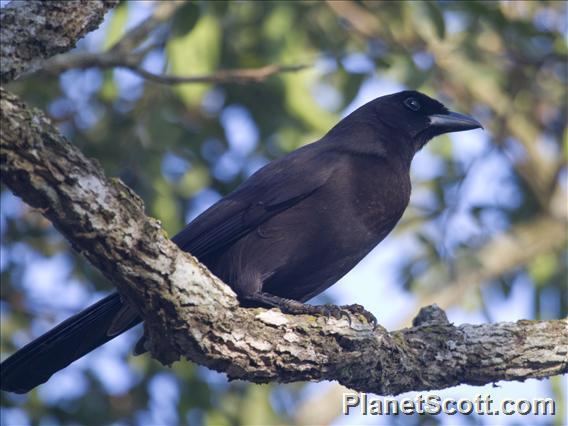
(134, 37)
(131, 62)
(244, 75)
(126, 53)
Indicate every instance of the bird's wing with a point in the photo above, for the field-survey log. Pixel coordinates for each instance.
(273, 189)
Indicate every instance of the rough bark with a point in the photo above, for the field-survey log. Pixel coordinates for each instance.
(32, 31)
(191, 313)
(188, 311)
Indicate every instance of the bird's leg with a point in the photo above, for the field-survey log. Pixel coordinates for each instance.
(293, 307)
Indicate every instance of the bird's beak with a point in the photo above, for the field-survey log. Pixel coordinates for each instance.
(453, 122)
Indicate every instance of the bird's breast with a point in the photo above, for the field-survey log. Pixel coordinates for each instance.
(380, 192)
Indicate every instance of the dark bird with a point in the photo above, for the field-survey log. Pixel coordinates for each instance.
(287, 233)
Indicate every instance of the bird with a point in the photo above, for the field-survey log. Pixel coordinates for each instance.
(287, 233)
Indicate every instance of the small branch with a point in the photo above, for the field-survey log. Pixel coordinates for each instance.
(137, 35)
(127, 53)
(246, 75)
(32, 30)
(188, 312)
(115, 60)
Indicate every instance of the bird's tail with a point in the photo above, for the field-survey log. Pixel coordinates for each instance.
(37, 361)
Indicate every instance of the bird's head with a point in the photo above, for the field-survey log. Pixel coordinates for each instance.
(419, 117)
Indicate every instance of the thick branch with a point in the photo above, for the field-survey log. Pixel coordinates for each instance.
(32, 30)
(190, 313)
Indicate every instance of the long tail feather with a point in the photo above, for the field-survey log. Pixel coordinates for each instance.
(36, 362)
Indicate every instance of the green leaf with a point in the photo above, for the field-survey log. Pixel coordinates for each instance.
(302, 104)
(437, 18)
(542, 268)
(195, 53)
(185, 19)
(109, 90)
(194, 180)
(164, 206)
(256, 408)
(116, 26)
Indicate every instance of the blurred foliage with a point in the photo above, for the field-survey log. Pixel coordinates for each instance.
(182, 147)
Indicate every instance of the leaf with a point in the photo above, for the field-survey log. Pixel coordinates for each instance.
(109, 90)
(301, 102)
(185, 19)
(193, 181)
(164, 206)
(542, 268)
(195, 53)
(116, 26)
(437, 18)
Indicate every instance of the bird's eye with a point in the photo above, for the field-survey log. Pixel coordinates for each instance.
(412, 104)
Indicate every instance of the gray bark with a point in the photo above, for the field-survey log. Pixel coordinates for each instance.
(190, 313)
(32, 31)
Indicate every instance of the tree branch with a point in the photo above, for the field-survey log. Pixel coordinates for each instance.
(131, 62)
(245, 75)
(191, 313)
(127, 53)
(137, 35)
(37, 30)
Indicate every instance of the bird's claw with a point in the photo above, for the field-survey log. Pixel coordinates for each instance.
(348, 312)
(359, 311)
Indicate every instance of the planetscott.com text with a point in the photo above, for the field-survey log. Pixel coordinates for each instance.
(365, 404)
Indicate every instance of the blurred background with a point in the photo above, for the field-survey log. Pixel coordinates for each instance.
(484, 236)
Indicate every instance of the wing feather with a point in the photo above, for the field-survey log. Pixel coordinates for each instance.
(271, 190)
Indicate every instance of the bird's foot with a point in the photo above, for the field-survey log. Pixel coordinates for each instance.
(294, 307)
(338, 312)
(359, 311)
